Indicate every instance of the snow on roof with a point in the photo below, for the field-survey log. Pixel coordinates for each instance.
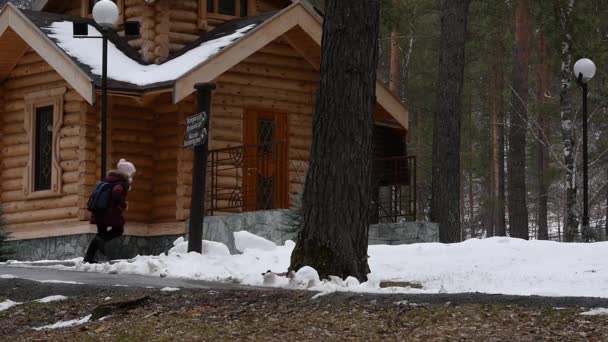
(125, 69)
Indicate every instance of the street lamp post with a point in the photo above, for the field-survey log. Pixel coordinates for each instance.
(105, 14)
(584, 70)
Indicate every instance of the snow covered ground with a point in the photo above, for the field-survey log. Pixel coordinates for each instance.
(496, 265)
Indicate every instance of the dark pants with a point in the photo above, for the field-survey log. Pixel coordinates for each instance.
(99, 242)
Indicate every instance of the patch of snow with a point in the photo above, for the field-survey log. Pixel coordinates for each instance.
(169, 289)
(596, 312)
(180, 246)
(7, 304)
(123, 68)
(244, 240)
(107, 298)
(496, 265)
(51, 299)
(7, 276)
(66, 324)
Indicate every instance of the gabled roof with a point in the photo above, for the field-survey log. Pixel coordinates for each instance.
(215, 52)
(126, 70)
(12, 20)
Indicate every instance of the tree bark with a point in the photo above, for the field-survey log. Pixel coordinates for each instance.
(494, 162)
(471, 221)
(336, 200)
(567, 115)
(542, 145)
(499, 205)
(445, 191)
(516, 163)
(395, 73)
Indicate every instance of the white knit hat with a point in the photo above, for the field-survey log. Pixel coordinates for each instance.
(127, 168)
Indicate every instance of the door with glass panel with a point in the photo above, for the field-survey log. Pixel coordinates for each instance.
(265, 174)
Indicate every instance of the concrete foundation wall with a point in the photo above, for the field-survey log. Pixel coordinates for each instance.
(272, 225)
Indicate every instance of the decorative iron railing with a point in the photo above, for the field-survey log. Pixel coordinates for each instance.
(257, 177)
(246, 178)
(394, 190)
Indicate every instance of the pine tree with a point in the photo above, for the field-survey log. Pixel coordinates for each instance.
(445, 197)
(334, 234)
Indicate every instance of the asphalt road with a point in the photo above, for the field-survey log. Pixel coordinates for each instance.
(33, 283)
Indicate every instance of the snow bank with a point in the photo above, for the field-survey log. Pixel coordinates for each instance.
(7, 304)
(208, 247)
(496, 265)
(123, 68)
(596, 312)
(244, 240)
(51, 299)
(66, 324)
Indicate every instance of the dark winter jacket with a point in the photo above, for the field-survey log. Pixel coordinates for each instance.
(118, 202)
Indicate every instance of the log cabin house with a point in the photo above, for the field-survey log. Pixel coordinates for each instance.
(264, 56)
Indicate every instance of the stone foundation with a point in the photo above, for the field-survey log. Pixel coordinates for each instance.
(74, 246)
(272, 225)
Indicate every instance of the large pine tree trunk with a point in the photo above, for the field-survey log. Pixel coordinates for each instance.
(493, 176)
(567, 115)
(542, 144)
(336, 200)
(499, 148)
(516, 163)
(445, 193)
(395, 73)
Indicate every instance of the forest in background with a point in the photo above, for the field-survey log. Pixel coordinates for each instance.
(557, 33)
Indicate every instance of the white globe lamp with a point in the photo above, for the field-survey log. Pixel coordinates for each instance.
(105, 13)
(586, 68)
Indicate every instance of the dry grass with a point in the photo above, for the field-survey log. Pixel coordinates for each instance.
(273, 315)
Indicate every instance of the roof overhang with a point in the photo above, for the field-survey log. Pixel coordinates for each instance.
(11, 17)
(299, 15)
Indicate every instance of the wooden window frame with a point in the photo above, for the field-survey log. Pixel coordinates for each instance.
(84, 10)
(33, 101)
(203, 14)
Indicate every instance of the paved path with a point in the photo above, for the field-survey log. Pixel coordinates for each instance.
(50, 275)
(71, 283)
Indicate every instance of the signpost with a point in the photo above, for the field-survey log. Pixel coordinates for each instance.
(196, 130)
(196, 136)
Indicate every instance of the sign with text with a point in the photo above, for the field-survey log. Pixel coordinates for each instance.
(196, 133)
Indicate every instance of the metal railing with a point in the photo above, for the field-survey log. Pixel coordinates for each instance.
(394, 190)
(245, 178)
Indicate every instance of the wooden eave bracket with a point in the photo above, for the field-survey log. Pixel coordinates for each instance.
(48, 50)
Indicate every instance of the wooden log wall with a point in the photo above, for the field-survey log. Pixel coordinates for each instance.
(276, 79)
(32, 74)
(166, 26)
(89, 155)
(263, 6)
(167, 145)
(67, 7)
(131, 135)
(184, 27)
(73, 7)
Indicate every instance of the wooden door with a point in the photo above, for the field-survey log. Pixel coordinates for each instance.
(265, 168)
